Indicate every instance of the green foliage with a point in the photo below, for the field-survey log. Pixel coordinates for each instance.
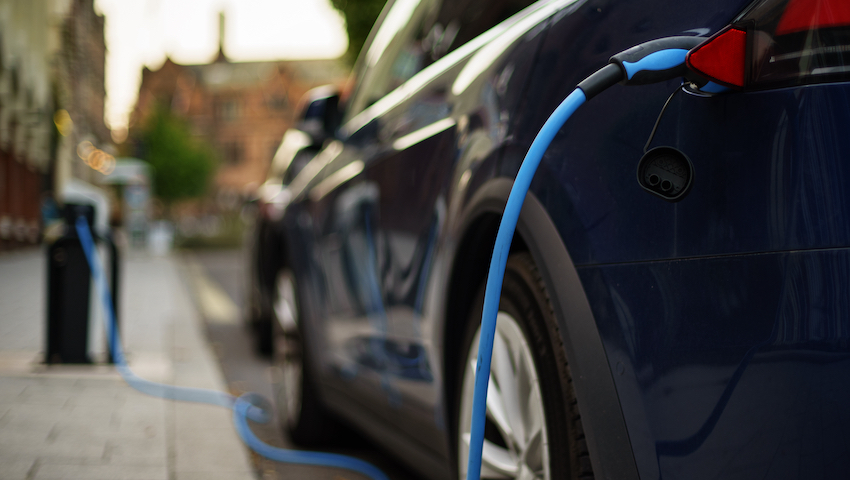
(182, 165)
(359, 17)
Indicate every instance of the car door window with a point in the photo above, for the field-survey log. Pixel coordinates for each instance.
(415, 34)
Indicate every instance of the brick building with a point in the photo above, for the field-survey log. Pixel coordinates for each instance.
(52, 56)
(242, 109)
(80, 90)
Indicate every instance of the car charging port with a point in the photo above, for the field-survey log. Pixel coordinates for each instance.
(666, 172)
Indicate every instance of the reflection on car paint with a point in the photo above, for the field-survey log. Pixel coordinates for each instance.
(390, 357)
(360, 252)
(706, 377)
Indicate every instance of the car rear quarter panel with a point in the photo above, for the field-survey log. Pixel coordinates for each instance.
(723, 316)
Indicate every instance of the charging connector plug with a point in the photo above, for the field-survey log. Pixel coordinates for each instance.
(650, 62)
(655, 61)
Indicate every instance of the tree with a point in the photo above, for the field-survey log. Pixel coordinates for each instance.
(182, 165)
(359, 17)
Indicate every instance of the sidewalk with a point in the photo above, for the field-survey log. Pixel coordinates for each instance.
(84, 422)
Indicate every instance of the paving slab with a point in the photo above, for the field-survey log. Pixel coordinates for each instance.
(83, 421)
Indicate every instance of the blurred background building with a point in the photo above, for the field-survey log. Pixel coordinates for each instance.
(52, 131)
(241, 109)
(52, 56)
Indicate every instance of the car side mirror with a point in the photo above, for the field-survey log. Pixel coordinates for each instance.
(320, 114)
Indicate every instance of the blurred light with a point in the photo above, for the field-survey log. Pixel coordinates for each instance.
(105, 163)
(334, 180)
(401, 12)
(119, 134)
(96, 158)
(423, 133)
(84, 149)
(63, 122)
(315, 166)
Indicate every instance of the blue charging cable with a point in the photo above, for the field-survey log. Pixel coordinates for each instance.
(248, 406)
(240, 415)
(650, 62)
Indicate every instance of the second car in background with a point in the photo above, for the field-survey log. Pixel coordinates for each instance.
(318, 115)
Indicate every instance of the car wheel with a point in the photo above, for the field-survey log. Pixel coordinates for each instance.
(533, 428)
(274, 302)
(263, 337)
(301, 415)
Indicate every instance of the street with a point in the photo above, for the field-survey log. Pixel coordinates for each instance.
(218, 277)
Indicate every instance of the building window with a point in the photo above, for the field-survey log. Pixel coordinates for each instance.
(232, 153)
(278, 103)
(227, 110)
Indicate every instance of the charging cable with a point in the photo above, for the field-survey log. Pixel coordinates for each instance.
(649, 62)
(248, 406)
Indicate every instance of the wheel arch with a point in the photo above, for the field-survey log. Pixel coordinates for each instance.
(610, 452)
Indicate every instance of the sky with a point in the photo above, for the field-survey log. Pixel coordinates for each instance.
(142, 33)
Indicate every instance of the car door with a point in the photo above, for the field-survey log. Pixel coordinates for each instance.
(415, 129)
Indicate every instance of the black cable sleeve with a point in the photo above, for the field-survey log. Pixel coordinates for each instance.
(658, 120)
(601, 79)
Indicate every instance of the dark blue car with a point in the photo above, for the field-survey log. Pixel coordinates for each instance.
(677, 298)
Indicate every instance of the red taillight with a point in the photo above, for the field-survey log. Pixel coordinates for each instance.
(803, 15)
(721, 58)
(779, 43)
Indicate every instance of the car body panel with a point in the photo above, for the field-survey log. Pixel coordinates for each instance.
(753, 250)
(687, 325)
(734, 363)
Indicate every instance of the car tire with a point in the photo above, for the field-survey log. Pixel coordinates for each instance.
(531, 402)
(264, 326)
(263, 337)
(301, 414)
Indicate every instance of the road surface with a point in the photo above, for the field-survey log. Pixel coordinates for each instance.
(218, 278)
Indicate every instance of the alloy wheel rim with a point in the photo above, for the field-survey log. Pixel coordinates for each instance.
(516, 439)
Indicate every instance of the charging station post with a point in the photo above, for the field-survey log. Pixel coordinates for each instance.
(69, 290)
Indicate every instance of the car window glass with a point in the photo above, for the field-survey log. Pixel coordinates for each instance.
(459, 21)
(392, 56)
(293, 141)
(416, 33)
(298, 163)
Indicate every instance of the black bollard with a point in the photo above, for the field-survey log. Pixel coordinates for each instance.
(68, 293)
